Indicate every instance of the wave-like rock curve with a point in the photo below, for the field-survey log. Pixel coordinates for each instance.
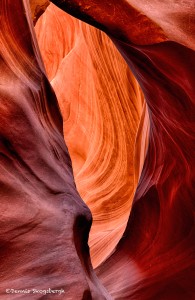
(101, 105)
(155, 257)
(44, 225)
(44, 221)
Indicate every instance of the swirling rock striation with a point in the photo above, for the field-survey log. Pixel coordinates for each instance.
(44, 220)
(155, 257)
(44, 224)
(101, 105)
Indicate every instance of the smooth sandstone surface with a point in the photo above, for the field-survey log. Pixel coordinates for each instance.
(45, 223)
(102, 105)
(154, 259)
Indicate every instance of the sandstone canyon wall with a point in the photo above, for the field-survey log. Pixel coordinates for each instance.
(102, 105)
(142, 249)
(44, 225)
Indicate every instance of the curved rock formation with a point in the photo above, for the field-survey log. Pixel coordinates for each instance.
(155, 258)
(45, 224)
(157, 250)
(101, 104)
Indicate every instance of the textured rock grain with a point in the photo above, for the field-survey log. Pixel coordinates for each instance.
(155, 257)
(101, 105)
(44, 225)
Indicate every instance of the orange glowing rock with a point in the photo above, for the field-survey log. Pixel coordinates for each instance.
(132, 154)
(44, 224)
(101, 105)
(154, 260)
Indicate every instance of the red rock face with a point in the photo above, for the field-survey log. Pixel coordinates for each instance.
(157, 250)
(45, 222)
(154, 258)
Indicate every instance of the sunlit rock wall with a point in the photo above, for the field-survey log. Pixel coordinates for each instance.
(44, 223)
(102, 107)
(155, 257)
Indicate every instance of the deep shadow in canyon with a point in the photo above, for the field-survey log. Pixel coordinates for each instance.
(45, 223)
